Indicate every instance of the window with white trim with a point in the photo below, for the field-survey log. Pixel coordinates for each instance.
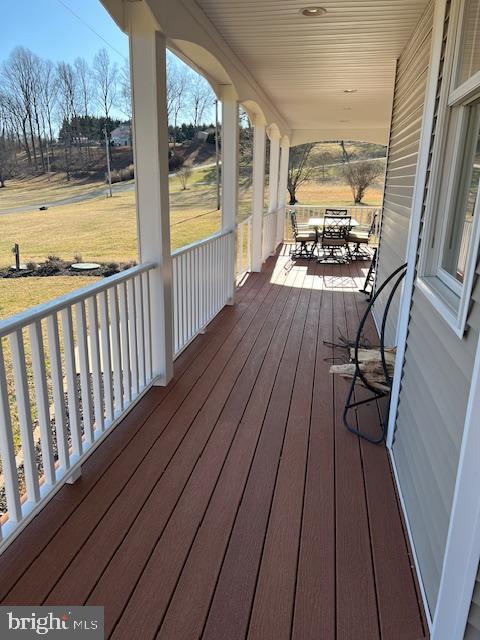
(449, 256)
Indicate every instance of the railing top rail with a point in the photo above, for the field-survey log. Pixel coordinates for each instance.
(267, 213)
(24, 318)
(200, 243)
(334, 206)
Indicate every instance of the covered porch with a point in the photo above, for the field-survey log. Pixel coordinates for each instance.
(232, 503)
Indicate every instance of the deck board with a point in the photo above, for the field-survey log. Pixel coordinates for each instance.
(232, 504)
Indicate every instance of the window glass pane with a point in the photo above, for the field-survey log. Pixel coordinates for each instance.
(469, 62)
(460, 225)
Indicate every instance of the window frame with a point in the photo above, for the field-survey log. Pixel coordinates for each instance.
(447, 295)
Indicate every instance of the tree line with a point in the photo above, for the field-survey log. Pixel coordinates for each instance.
(53, 112)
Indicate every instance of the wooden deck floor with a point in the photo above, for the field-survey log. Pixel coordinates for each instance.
(233, 504)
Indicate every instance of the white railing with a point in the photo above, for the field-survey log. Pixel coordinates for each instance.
(203, 282)
(362, 214)
(269, 233)
(69, 370)
(244, 246)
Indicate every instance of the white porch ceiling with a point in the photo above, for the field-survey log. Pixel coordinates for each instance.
(305, 64)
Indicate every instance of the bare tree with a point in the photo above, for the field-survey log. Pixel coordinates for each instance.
(360, 176)
(300, 169)
(125, 90)
(48, 97)
(67, 109)
(184, 176)
(200, 94)
(177, 81)
(18, 83)
(8, 143)
(106, 74)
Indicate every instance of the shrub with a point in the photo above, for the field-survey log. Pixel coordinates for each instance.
(31, 266)
(115, 176)
(77, 258)
(110, 269)
(51, 266)
(175, 162)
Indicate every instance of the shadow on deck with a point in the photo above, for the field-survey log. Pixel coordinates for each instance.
(233, 503)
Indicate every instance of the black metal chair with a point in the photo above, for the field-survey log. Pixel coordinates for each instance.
(336, 212)
(334, 237)
(377, 390)
(305, 239)
(370, 277)
(361, 235)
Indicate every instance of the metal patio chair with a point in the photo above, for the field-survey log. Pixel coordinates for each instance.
(378, 388)
(334, 237)
(336, 212)
(305, 239)
(361, 235)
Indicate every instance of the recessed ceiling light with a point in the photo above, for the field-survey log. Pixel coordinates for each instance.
(312, 12)
(350, 91)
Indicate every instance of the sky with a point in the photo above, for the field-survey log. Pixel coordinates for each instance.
(49, 29)
(63, 30)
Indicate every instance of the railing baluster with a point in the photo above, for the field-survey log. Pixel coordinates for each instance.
(185, 299)
(41, 395)
(176, 303)
(97, 339)
(72, 385)
(96, 364)
(58, 392)
(106, 357)
(140, 330)
(132, 325)
(17, 349)
(125, 340)
(7, 452)
(82, 346)
(147, 326)
(116, 351)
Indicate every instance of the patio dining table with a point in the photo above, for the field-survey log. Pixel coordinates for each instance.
(318, 222)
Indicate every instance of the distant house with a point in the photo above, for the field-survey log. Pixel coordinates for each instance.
(204, 135)
(121, 136)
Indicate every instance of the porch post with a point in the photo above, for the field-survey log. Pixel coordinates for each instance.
(150, 145)
(273, 175)
(258, 194)
(230, 133)
(282, 190)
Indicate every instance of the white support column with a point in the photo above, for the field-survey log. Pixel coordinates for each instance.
(150, 135)
(230, 133)
(282, 190)
(258, 188)
(273, 178)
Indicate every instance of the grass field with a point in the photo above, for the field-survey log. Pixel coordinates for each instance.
(104, 229)
(337, 193)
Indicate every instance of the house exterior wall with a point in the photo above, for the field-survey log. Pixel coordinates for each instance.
(435, 385)
(407, 112)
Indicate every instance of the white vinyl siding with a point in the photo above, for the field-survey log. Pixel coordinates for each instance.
(435, 385)
(407, 112)
(472, 632)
